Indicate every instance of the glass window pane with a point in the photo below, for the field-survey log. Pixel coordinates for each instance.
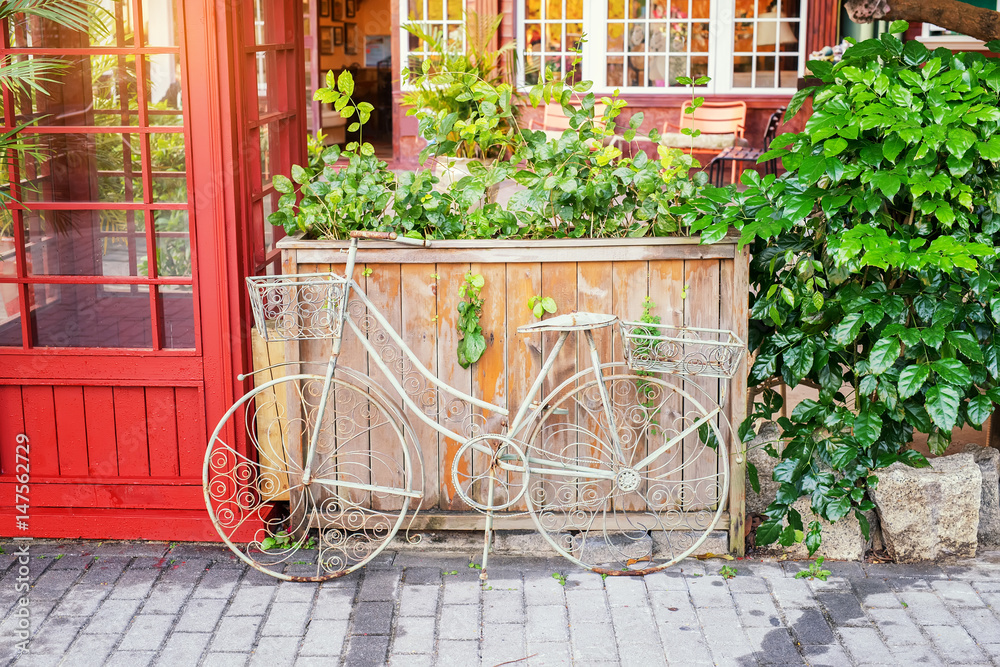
(574, 10)
(699, 38)
(91, 315)
(110, 25)
(615, 42)
(743, 33)
(700, 9)
(85, 243)
(455, 10)
(164, 90)
(83, 167)
(167, 158)
(10, 308)
(533, 9)
(178, 316)
(742, 67)
(95, 90)
(415, 10)
(173, 244)
(270, 26)
(615, 71)
(554, 42)
(789, 71)
(435, 10)
(161, 22)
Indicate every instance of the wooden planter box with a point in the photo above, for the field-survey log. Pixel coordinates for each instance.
(416, 290)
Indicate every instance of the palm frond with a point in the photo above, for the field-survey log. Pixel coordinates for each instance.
(25, 75)
(73, 14)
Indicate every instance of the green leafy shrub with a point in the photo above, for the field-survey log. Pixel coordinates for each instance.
(875, 271)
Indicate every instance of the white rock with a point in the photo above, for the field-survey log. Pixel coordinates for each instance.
(928, 513)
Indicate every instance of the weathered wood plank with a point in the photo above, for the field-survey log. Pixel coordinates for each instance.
(130, 429)
(161, 430)
(523, 351)
(71, 430)
(453, 414)
(384, 290)
(489, 377)
(40, 425)
(102, 443)
(191, 430)
(419, 331)
(270, 423)
(735, 317)
(701, 309)
(11, 426)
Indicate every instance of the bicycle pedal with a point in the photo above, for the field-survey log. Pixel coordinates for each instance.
(558, 411)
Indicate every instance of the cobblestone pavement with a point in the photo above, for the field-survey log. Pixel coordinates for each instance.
(137, 603)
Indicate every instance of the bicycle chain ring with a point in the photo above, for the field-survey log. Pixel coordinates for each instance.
(504, 470)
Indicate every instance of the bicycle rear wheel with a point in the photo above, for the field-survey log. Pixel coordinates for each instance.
(290, 527)
(639, 505)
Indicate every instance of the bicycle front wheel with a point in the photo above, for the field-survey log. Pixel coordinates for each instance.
(327, 524)
(630, 485)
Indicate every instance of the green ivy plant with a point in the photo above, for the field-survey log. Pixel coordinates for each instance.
(875, 275)
(470, 309)
(539, 305)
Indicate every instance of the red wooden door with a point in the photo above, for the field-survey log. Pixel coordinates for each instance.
(121, 299)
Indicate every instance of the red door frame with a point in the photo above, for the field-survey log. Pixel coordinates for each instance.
(70, 501)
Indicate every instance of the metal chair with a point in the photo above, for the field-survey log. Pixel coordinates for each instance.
(738, 154)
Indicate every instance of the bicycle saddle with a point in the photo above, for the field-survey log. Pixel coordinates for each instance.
(570, 322)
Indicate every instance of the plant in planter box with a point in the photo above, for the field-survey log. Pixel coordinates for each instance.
(875, 273)
(463, 94)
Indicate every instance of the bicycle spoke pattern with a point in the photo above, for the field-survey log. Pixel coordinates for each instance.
(337, 520)
(626, 497)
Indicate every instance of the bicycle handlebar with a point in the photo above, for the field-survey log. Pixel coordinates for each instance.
(389, 236)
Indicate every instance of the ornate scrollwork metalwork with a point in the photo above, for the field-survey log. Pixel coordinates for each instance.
(640, 501)
(296, 307)
(360, 486)
(663, 348)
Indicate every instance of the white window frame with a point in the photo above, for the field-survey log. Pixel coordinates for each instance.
(404, 36)
(931, 37)
(721, 46)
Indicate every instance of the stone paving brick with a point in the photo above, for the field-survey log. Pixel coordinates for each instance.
(897, 627)
(773, 646)
(548, 654)
(367, 651)
(333, 603)
(460, 621)
(957, 594)
(756, 610)
(218, 582)
(201, 615)
(287, 619)
(236, 634)
(146, 632)
(830, 585)
(593, 641)
(810, 626)
(908, 570)
(865, 646)
(625, 591)
(134, 584)
(324, 638)
(461, 590)
(992, 650)
(543, 592)
(736, 650)
(792, 593)
(292, 591)
(685, 643)
(502, 643)
(90, 650)
(104, 571)
(452, 652)
(768, 570)
(380, 584)
(955, 644)
(184, 571)
(673, 607)
(418, 600)
(184, 648)
(582, 580)
(275, 652)
(586, 606)
(126, 548)
(67, 563)
(53, 584)
(217, 659)
(251, 601)
(113, 616)
(373, 618)
(826, 656)
(167, 598)
(875, 594)
(719, 621)
(922, 654)
(927, 608)
(410, 660)
(709, 592)
(81, 601)
(422, 575)
(503, 607)
(130, 659)
(843, 608)
(743, 584)
(547, 624)
(414, 634)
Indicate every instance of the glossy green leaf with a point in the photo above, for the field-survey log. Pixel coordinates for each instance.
(884, 354)
(942, 405)
(953, 372)
(912, 379)
(979, 409)
(867, 427)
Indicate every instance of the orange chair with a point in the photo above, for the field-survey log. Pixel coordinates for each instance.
(721, 125)
(555, 121)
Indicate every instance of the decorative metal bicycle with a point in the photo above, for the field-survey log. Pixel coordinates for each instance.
(620, 470)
